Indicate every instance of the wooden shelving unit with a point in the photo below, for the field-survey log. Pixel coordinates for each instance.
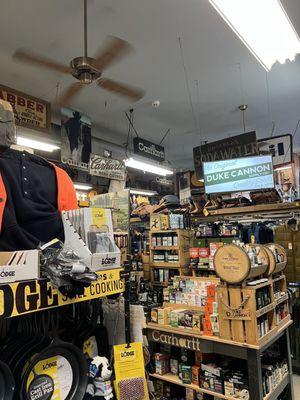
(181, 248)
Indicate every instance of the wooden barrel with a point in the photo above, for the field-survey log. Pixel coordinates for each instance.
(233, 265)
(274, 265)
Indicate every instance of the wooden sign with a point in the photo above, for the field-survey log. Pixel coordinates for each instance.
(29, 111)
(243, 145)
(107, 167)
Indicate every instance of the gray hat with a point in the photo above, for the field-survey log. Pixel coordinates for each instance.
(7, 125)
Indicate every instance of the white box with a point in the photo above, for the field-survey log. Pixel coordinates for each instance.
(19, 266)
(82, 242)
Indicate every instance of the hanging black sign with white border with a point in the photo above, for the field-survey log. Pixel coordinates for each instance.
(148, 149)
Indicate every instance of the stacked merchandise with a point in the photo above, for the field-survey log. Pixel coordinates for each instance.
(225, 376)
(191, 304)
(202, 258)
(274, 369)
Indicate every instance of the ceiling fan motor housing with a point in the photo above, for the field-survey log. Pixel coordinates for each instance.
(83, 70)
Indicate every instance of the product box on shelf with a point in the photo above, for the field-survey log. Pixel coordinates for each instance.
(186, 373)
(162, 363)
(89, 232)
(19, 265)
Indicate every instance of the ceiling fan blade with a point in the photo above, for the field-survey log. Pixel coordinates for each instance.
(69, 94)
(132, 92)
(35, 59)
(114, 49)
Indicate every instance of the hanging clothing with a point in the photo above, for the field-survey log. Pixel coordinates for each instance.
(33, 192)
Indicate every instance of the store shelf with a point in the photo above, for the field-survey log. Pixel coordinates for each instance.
(164, 248)
(177, 381)
(278, 389)
(265, 310)
(25, 297)
(276, 207)
(165, 265)
(263, 342)
(279, 278)
(164, 284)
(282, 299)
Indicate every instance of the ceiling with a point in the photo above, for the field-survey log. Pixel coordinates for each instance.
(185, 56)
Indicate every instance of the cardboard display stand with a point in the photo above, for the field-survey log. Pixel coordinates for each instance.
(84, 236)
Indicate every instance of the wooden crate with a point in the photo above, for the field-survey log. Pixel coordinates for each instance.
(238, 315)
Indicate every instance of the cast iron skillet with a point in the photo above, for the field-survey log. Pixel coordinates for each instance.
(74, 357)
(7, 383)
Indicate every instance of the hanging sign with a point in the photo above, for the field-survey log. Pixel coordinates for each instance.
(35, 295)
(30, 112)
(243, 145)
(164, 181)
(280, 147)
(148, 149)
(107, 167)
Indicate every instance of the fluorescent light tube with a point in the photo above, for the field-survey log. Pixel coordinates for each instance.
(147, 167)
(263, 26)
(36, 144)
(82, 186)
(143, 192)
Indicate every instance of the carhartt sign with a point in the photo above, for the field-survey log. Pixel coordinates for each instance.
(173, 339)
(148, 149)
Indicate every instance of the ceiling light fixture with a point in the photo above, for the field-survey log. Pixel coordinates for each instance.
(82, 186)
(36, 144)
(263, 26)
(143, 192)
(147, 167)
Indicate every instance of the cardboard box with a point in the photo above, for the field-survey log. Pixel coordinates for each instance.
(87, 231)
(196, 375)
(162, 363)
(186, 371)
(154, 315)
(174, 366)
(189, 394)
(163, 316)
(19, 266)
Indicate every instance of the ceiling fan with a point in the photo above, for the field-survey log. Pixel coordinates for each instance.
(87, 69)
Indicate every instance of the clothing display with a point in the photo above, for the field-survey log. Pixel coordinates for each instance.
(33, 192)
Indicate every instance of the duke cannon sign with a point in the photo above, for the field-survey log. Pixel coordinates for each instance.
(241, 174)
(233, 147)
(148, 149)
(107, 167)
(29, 111)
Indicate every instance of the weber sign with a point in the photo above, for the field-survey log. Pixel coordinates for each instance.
(243, 145)
(107, 167)
(29, 111)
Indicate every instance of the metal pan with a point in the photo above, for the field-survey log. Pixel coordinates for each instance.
(7, 383)
(60, 367)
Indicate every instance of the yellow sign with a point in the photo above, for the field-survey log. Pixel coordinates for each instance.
(29, 111)
(130, 371)
(30, 296)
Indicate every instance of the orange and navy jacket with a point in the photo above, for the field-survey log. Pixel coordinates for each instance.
(66, 195)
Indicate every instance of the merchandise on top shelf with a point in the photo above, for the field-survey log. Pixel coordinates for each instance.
(192, 305)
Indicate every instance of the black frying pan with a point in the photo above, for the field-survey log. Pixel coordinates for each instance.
(7, 383)
(37, 376)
